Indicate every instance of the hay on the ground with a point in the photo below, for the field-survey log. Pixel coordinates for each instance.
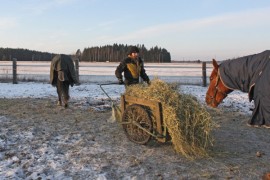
(187, 121)
(116, 113)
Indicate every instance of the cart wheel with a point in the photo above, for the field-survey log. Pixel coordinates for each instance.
(133, 117)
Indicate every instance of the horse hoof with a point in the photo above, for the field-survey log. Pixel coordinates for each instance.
(66, 105)
(253, 125)
(266, 126)
(59, 103)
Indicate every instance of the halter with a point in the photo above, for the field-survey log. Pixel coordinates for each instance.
(217, 90)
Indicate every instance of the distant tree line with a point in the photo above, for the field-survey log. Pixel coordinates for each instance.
(108, 53)
(115, 53)
(6, 54)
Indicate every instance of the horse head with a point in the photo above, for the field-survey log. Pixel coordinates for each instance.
(217, 91)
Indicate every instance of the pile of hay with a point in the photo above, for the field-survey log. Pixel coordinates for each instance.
(116, 113)
(188, 123)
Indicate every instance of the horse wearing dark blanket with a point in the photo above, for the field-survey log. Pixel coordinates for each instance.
(62, 75)
(250, 74)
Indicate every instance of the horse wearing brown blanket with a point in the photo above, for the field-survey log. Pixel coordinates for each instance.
(62, 75)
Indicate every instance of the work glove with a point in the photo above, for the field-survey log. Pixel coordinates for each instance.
(120, 81)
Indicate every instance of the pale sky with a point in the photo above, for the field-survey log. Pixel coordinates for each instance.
(188, 29)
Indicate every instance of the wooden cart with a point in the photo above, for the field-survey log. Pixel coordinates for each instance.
(142, 119)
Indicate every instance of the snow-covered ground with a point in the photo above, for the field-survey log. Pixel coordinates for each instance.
(235, 100)
(101, 72)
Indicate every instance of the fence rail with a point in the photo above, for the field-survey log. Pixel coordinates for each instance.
(183, 73)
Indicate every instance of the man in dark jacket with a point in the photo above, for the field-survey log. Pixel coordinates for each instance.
(133, 68)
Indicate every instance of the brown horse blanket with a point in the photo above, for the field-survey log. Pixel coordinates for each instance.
(251, 74)
(64, 65)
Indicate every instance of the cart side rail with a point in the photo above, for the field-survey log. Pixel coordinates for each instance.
(155, 106)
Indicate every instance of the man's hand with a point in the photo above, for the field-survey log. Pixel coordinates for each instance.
(120, 81)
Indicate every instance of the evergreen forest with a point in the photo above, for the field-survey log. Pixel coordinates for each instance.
(107, 53)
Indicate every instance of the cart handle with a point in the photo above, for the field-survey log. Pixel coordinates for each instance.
(105, 84)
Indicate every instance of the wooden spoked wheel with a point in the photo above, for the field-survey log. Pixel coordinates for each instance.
(137, 124)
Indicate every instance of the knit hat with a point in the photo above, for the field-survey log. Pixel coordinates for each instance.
(133, 49)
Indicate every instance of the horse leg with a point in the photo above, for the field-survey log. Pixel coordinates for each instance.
(59, 87)
(65, 93)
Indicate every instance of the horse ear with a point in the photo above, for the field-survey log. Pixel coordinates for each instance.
(215, 64)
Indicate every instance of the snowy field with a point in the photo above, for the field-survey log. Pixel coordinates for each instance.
(93, 74)
(35, 147)
(98, 72)
(85, 92)
(235, 100)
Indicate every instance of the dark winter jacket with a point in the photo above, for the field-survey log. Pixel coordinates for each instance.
(133, 69)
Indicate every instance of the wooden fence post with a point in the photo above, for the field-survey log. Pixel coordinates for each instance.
(14, 70)
(204, 74)
(77, 69)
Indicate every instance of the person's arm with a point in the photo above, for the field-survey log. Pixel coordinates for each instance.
(143, 74)
(119, 70)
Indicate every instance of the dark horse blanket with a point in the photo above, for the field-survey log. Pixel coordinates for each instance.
(251, 74)
(64, 65)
